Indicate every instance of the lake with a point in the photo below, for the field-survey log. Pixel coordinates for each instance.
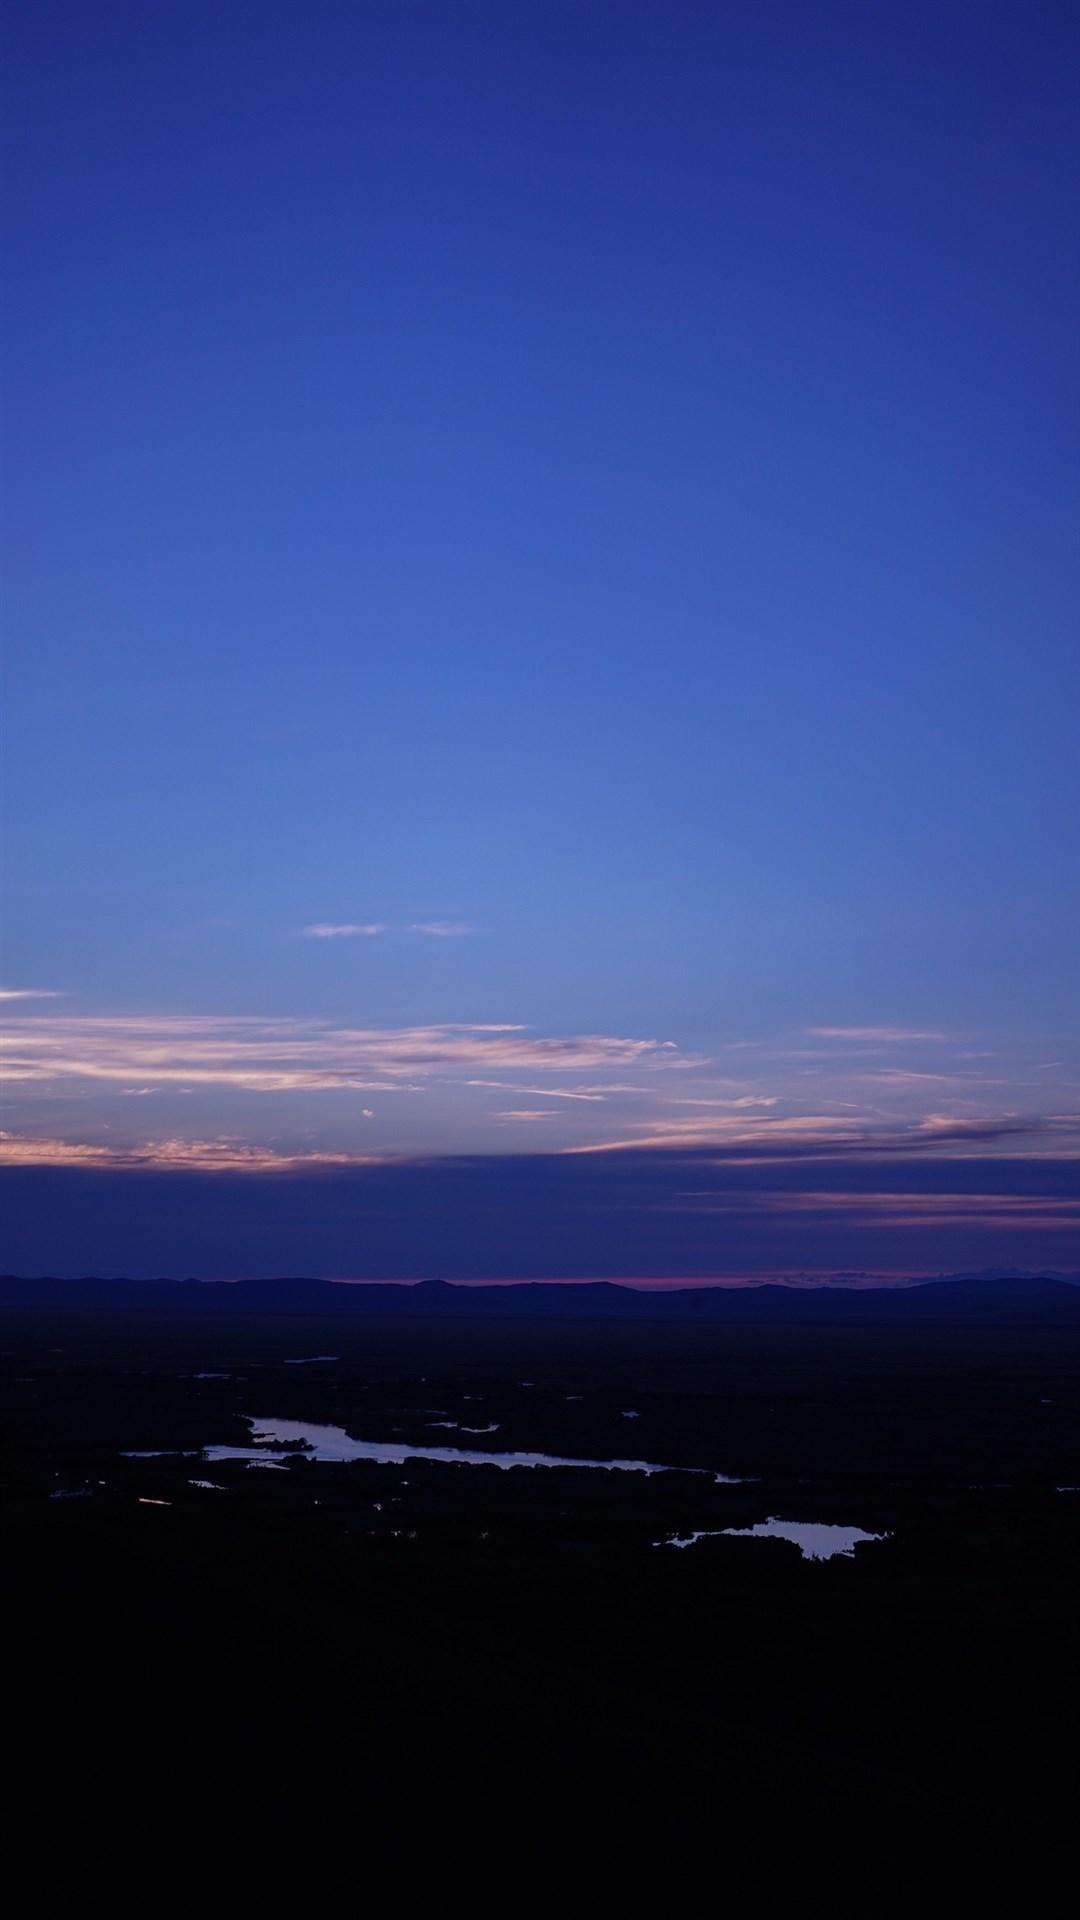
(815, 1539)
(334, 1444)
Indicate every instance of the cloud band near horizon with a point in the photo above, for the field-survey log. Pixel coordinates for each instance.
(844, 1156)
(674, 1214)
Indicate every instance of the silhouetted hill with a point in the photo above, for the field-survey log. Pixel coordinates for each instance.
(968, 1298)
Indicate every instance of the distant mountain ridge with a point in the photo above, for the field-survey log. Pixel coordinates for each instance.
(968, 1297)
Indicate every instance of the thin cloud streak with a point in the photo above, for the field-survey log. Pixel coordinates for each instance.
(590, 1095)
(900, 1209)
(903, 1077)
(744, 1100)
(346, 930)
(887, 1035)
(369, 929)
(820, 1136)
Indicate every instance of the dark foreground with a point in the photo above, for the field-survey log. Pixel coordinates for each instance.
(352, 1651)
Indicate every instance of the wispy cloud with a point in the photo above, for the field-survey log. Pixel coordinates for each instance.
(29, 993)
(733, 1130)
(193, 1156)
(908, 1077)
(745, 1100)
(949, 1199)
(899, 1209)
(203, 1087)
(369, 929)
(546, 1093)
(887, 1035)
(279, 1056)
(344, 930)
(822, 1136)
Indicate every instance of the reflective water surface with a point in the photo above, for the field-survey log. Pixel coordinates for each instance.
(815, 1539)
(334, 1444)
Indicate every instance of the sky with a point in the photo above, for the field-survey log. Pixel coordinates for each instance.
(540, 595)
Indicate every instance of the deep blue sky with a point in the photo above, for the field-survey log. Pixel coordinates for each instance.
(601, 476)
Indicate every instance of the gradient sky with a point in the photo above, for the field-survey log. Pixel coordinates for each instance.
(541, 595)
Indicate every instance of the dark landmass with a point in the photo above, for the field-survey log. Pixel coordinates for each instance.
(1009, 1297)
(327, 1655)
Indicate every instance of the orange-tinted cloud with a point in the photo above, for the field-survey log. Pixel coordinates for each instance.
(200, 1156)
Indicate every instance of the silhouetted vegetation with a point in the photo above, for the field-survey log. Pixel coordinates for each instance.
(410, 1640)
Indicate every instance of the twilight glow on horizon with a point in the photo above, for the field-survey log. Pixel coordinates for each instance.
(541, 608)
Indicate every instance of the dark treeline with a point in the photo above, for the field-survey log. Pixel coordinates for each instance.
(977, 1297)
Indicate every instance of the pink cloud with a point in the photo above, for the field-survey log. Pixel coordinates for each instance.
(285, 1055)
(201, 1156)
